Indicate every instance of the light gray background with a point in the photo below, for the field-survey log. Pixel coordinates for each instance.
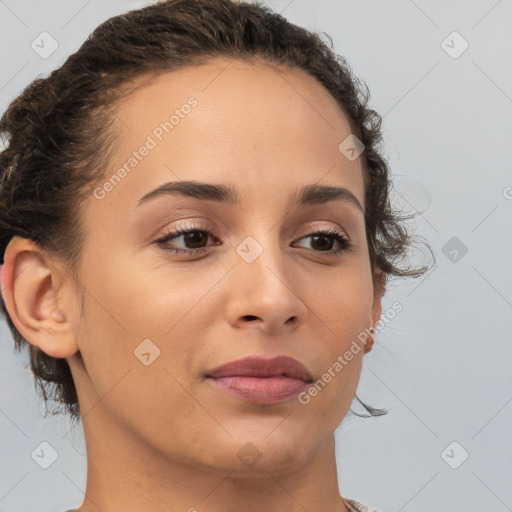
(442, 365)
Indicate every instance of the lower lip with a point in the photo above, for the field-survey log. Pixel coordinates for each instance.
(261, 390)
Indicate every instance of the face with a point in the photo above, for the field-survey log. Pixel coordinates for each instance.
(249, 276)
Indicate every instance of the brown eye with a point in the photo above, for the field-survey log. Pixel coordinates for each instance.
(323, 241)
(194, 238)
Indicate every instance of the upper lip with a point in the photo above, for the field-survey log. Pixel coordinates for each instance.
(256, 366)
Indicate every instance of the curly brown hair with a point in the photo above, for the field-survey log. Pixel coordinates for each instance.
(59, 134)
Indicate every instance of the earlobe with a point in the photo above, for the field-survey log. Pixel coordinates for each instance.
(30, 292)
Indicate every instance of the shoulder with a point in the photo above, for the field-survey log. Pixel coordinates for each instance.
(357, 506)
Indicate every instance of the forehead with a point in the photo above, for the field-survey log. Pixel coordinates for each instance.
(232, 121)
(235, 81)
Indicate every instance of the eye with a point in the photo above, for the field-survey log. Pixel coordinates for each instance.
(322, 241)
(196, 238)
(191, 234)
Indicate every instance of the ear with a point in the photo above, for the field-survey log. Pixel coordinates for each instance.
(379, 288)
(30, 290)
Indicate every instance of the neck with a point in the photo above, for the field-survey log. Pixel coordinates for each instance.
(125, 473)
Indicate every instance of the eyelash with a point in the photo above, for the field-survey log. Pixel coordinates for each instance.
(346, 245)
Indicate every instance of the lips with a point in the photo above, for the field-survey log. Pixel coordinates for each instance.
(261, 381)
(260, 367)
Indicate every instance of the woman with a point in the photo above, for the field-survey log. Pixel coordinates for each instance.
(196, 235)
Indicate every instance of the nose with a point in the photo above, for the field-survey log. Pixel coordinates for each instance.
(265, 294)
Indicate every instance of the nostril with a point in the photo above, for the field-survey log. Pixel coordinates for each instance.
(250, 317)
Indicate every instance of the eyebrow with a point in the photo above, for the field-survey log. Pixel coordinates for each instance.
(307, 195)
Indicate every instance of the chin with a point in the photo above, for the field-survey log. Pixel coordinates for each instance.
(248, 456)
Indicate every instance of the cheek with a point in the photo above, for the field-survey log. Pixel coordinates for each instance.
(128, 302)
(143, 300)
(126, 326)
(341, 310)
(341, 300)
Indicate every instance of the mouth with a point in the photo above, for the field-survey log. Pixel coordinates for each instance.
(259, 380)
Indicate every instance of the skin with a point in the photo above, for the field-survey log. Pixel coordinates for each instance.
(160, 437)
